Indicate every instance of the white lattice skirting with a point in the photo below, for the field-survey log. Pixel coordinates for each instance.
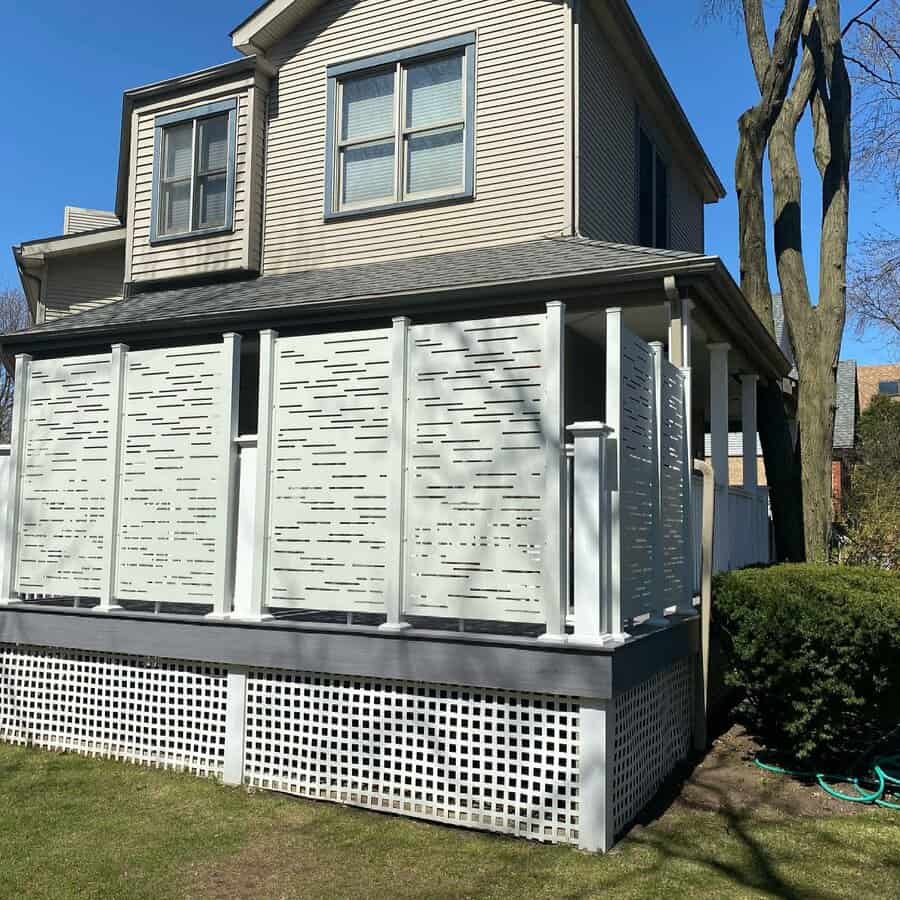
(495, 760)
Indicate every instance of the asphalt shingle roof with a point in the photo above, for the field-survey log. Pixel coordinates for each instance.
(845, 400)
(509, 263)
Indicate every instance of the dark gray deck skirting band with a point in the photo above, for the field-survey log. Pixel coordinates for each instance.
(435, 657)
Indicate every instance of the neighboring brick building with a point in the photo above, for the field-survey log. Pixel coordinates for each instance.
(875, 380)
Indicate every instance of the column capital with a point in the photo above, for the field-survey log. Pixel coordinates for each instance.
(719, 347)
(589, 429)
(749, 377)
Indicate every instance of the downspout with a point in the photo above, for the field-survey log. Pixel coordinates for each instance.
(573, 117)
(709, 506)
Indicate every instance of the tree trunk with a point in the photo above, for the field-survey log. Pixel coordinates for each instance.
(782, 463)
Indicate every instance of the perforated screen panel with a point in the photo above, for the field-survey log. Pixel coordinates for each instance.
(495, 760)
(476, 470)
(65, 477)
(155, 712)
(638, 477)
(329, 469)
(175, 422)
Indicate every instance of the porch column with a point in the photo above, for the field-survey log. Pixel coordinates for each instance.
(748, 420)
(718, 414)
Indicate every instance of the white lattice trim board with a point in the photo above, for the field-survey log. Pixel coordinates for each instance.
(476, 462)
(652, 725)
(176, 431)
(65, 477)
(494, 760)
(159, 713)
(327, 518)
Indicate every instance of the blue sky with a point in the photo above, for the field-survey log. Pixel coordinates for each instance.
(67, 65)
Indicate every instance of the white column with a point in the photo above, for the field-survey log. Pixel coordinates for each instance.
(748, 421)
(258, 595)
(235, 726)
(226, 539)
(118, 374)
(615, 416)
(552, 425)
(596, 831)
(14, 488)
(659, 604)
(246, 529)
(394, 580)
(718, 378)
(591, 523)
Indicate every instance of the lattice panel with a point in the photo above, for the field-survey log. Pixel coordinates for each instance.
(638, 477)
(674, 475)
(176, 421)
(329, 471)
(155, 712)
(476, 469)
(494, 760)
(65, 477)
(652, 734)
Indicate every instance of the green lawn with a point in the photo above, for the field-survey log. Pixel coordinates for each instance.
(75, 827)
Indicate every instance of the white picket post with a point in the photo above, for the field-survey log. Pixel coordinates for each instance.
(226, 539)
(596, 831)
(16, 463)
(552, 426)
(118, 374)
(394, 582)
(258, 598)
(590, 502)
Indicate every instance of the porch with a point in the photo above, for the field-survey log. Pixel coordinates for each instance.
(443, 565)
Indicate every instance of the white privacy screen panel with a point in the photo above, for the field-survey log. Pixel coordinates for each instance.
(638, 477)
(328, 525)
(674, 494)
(65, 477)
(174, 426)
(475, 527)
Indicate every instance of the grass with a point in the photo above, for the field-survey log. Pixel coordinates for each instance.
(72, 827)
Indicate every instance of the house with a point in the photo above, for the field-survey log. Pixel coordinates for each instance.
(352, 452)
(878, 381)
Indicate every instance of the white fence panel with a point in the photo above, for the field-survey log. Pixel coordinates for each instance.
(176, 436)
(65, 477)
(476, 461)
(674, 490)
(631, 412)
(327, 522)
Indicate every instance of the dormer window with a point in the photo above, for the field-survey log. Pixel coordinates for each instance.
(653, 194)
(401, 128)
(193, 172)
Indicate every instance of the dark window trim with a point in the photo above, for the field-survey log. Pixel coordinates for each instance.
(195, 112)
(338, 71)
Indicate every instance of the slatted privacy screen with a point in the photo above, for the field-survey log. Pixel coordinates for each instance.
(176, 449)
(631, 409)
(327, 520)
(65, 476)
(476, 466)
(674, 489)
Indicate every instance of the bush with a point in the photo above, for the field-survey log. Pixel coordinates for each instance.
(815, 652)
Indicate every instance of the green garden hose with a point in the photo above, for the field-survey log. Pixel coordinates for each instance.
(885, 777)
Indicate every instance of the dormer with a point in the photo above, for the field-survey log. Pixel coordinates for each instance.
(191, 174)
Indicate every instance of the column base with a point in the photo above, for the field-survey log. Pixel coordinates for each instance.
(558, 639)
(395, 627)
(112, 607)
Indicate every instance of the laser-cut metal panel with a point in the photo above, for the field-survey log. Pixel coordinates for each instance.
(638, 477)
(329, 472)
(173, 425)
(476, 459)
(674, 475)
(66, 477)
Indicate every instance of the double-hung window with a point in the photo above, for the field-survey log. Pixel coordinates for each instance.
(653, 194)
(401, 128)
(193, 172)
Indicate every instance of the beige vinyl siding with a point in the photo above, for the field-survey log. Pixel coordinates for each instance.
(687, 214)
(608, 177)
(257, 168)
(77, 220)
(83, 281)
(520, 131)
(190, 256)
(608, 182)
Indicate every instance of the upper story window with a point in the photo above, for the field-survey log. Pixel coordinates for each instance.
(401, 128)
(889, 388)
(653, 194)
(193, 171)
